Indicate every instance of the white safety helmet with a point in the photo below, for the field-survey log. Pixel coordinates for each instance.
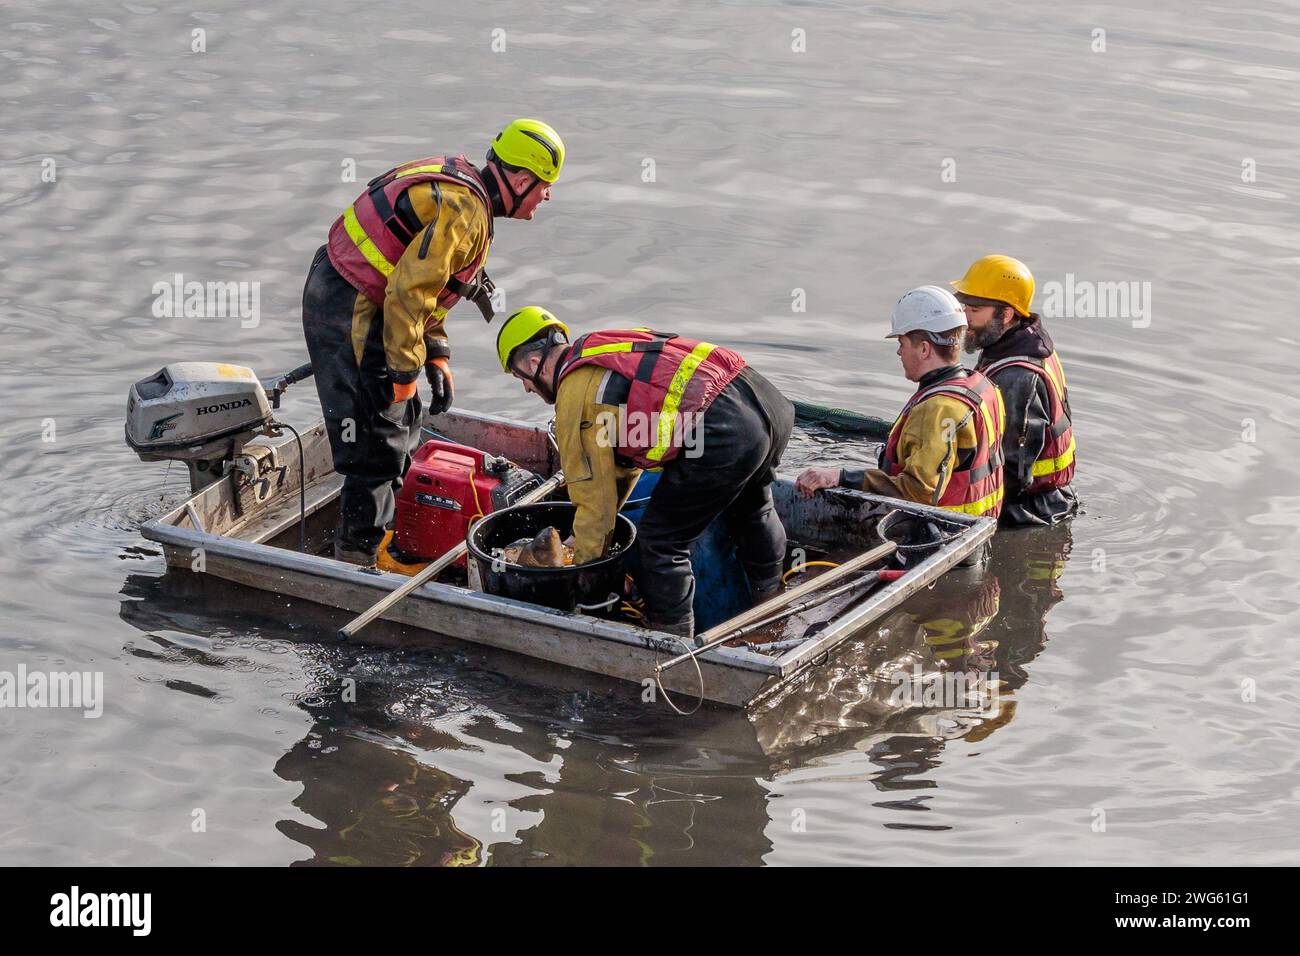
(929, 308)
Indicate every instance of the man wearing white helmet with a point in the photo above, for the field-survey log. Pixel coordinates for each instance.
(945, 448)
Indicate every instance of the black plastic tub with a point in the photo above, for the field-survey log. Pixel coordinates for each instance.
(560, 588)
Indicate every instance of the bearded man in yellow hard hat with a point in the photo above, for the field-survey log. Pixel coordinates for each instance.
(375, 305)
(1016, 352)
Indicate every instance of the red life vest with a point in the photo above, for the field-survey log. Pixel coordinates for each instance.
(1055, 464)
(673, 380)
(366, 242)
(977, 488)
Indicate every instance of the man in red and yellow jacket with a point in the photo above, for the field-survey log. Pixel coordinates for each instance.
(629, 399)
(945, 448)
(375, 305)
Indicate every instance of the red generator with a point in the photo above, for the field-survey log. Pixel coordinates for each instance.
(447, 487)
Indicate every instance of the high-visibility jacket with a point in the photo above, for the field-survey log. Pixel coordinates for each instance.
(975, 486)
(366, 242)
(673, 380)
(1054, 466)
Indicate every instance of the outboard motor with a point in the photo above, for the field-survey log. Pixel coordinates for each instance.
(202, 413)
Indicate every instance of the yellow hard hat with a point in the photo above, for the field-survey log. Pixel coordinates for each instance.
(523, 326)
(532, 145)
(999, 277)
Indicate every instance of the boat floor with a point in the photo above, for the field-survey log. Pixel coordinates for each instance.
(320, 543)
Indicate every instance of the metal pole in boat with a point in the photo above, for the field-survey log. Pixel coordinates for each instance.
(730, 630)
(871, 577)
(437, 567)
(879, 553)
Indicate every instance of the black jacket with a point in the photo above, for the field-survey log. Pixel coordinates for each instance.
(1028, 419)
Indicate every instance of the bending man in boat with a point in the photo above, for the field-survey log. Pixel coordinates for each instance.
(1016, 352)
(628, 399)
(945, 448)
(376, 300)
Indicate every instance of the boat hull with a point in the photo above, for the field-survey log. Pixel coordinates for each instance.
(243, 530)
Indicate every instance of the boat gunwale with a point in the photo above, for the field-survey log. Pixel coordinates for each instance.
(887, 598)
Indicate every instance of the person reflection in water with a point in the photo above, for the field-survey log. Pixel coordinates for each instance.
(1008, 618)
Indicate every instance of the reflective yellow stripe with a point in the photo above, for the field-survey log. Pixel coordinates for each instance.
(1050, 466)
(995, 422)
(611, 347)
(364, 243)
(673, 399)
(1056, 372)
(987, 503)
(995, 419)
(992, 432)
(416, 170)
(1044, 570)
(943, 630)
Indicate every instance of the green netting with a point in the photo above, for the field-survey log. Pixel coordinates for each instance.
(843, 420)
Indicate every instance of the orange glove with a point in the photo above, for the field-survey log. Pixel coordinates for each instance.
(402, 392)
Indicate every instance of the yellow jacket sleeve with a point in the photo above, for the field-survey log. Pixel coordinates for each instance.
(413, 323)
(586, 432)
(935, 432)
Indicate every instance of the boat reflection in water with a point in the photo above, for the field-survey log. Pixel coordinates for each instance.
(463, 755)
(968, 639)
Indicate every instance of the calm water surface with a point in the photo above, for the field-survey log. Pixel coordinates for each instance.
(1148, 650)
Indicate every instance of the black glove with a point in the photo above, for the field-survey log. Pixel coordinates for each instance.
(482, 296)
(438, 372)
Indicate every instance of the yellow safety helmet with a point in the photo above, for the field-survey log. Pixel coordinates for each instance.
(999, 277)
(525, 325)
(532, 145)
